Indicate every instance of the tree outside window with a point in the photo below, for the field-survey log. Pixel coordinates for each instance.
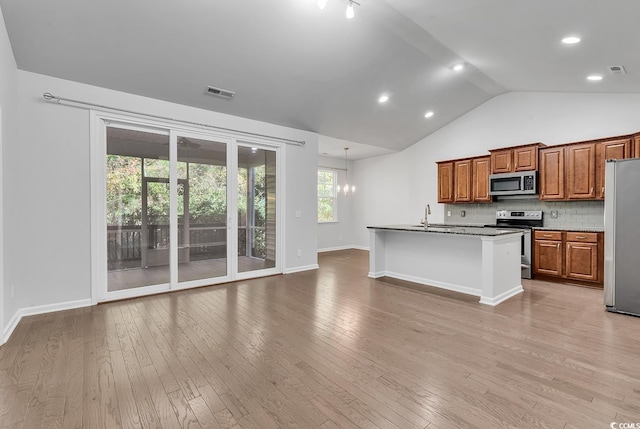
(327, 201)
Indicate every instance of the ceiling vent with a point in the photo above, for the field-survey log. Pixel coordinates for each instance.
(617, 70)
(219, 92)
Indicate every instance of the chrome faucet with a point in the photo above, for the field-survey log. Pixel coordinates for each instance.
(427, 212)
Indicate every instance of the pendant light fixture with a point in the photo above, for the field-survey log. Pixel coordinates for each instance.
(346, 189)
(321, 4)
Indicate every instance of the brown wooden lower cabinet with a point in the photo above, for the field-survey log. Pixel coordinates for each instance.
(569, 255)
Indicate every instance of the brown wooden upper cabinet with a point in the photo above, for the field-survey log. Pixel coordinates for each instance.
(445, 182)
(610, 149)
(581, 169)
(481, 167)
(501, 161)
(462, 181)
(636, 146)
(518, 158)
(551, 177)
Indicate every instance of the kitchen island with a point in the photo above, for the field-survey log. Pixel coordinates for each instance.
(479, 261)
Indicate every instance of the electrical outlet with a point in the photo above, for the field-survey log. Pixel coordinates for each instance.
(463, 213)
(554, 214)
(299, 252)
(448, 213)
(298, 213)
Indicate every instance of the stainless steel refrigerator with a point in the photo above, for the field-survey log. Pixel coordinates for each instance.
(622, 236)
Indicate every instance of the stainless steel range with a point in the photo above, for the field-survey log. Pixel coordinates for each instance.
(524, 220)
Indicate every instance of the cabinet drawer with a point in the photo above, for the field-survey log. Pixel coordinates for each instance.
(583, 237)
(548, 235)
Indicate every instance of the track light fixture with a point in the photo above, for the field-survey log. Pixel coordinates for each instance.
(350, 13)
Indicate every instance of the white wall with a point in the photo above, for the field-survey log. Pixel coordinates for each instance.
(8, 136)
(394, 188)
(48, 188)
(336, 235)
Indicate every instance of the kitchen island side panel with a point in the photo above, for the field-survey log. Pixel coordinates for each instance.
(487, 267)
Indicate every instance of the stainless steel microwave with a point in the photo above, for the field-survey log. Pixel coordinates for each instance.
(520, 183)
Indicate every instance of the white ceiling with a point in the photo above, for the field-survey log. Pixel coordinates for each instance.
(295, 65)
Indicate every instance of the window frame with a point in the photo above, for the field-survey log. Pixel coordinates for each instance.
(333, 197)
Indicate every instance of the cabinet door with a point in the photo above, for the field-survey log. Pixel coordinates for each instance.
(547, 257)
(462, 181)
(445, 182)
(525, 158)
(581, 171)
(636, 147)
(613, 149)
(582, 261)
(552, 174)
(481, 169)
(501, 161)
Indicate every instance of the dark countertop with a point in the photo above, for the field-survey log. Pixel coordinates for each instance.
(572, 228)
(451, 229)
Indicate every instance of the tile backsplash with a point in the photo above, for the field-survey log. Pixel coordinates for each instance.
(570, 213)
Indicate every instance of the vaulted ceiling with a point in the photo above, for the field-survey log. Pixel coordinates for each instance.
(291, 63)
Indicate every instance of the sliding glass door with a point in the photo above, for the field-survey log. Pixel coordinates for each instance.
(202, 209)
(257, 247)
(137, 203)
(184, 209)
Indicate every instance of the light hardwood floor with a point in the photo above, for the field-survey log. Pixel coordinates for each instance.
(326, 349)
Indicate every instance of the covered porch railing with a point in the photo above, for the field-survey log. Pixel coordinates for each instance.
(206, 241)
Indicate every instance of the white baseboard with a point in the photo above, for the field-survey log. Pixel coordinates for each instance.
(347, 247)
(361, 248)
(300, 269)
(502, 297)
(40, 309)
(428, 282)
(333, 249)
(11, 326)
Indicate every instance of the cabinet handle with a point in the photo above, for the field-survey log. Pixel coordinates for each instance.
(558, 245)
(603, 190)
(548, 235)
(580, 237)
(591, 191)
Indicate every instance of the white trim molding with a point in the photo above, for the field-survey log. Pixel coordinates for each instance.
(333, 249)
(41, 309)
(502, 297)
(301, 269)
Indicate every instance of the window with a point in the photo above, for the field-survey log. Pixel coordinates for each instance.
(327, 201)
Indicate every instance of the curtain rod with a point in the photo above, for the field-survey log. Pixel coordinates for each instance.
(332, 168)
(53, 98)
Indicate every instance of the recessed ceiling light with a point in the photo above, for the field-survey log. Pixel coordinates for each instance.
(383, 98)
(594, 77)
(429, 114)
(458, 67)
(571, 40)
